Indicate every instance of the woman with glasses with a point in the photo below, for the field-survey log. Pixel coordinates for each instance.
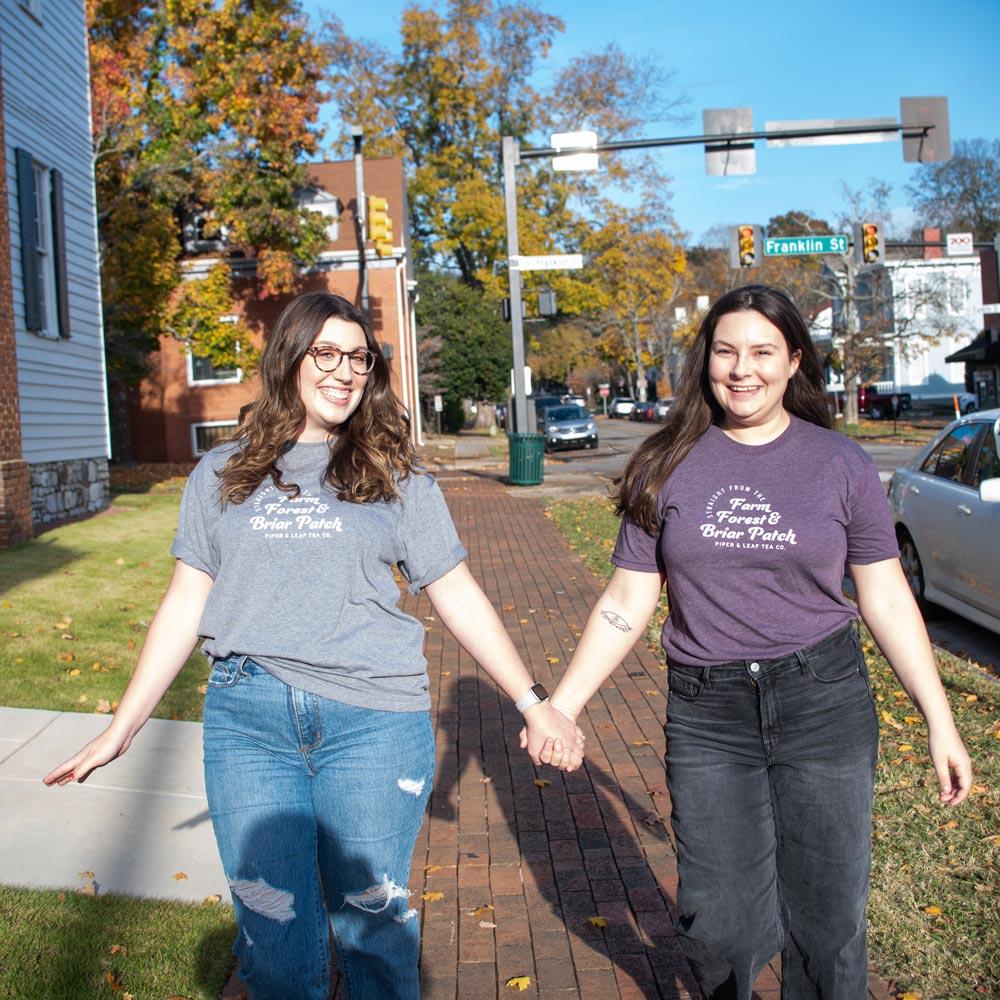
(319, 753)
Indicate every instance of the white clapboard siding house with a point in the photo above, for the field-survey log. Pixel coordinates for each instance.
(54, 443)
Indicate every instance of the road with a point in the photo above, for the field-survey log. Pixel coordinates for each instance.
(569, 472)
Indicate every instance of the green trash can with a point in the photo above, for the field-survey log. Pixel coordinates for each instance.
(527, 453)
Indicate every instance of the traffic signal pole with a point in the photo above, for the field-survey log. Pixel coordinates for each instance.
(510, 161)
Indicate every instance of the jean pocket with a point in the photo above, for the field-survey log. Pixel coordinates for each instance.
(684, 684)
(839, 662)
(225, 673)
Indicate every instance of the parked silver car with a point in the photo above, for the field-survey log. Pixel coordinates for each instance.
(569, 427)
(946, 506)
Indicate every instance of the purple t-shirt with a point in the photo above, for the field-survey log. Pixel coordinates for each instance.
(754, 542)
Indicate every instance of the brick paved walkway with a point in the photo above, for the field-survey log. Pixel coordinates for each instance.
(522, 868)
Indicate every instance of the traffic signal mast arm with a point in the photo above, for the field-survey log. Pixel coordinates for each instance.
(908, 132)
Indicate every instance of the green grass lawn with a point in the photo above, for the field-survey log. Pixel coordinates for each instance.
(58, 945)
(76, 604)
(934, 916)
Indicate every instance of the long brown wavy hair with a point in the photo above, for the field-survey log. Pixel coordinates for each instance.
(695, 409)
(369, 452)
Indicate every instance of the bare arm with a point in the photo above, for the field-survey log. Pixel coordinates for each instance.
(619, 617)
(471, 619)
(169, 641)
(892, 616)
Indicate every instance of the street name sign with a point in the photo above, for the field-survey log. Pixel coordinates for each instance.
(547, 262)
(796, 246)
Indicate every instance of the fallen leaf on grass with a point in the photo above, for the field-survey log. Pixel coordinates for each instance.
(73, 672)
(118, 949)
(179, 876)
(432, 897)
(950, 825)
(119, 561)
(908, 996)
(979, 789)
(67, 635)
(114, 983)
(912, 720)
(889, 719)
(214, 898)
(933, 911)
(598, 921)
(202, 689)
(82, 699)
(63, 625)
(542, 783)
(103, 706)
(520, 983)
(65, 657)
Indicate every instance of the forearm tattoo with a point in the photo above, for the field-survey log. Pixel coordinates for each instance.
(616, 620)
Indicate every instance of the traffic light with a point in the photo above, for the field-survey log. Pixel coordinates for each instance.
(380, 225)
(869, 243)
(745, 246)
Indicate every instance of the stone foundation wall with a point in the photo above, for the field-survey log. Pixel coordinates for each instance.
(60, 490)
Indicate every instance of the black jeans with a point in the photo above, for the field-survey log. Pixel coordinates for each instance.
(771, 767)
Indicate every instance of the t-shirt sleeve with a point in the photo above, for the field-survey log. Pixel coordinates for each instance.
(194, 542)
(870, 534)
(429, 541)
(636, 548)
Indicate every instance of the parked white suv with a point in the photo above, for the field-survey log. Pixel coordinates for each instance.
(621, 406)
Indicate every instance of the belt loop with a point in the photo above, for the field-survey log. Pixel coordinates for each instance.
(803, 662)
(706, 677)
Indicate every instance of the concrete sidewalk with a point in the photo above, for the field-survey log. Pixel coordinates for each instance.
(523, 861)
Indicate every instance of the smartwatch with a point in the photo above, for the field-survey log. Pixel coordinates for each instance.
(534, 695)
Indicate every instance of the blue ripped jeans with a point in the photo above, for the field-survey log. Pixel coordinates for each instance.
(770, 768)
(316, 807)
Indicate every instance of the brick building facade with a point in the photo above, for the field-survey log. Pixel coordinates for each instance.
(184, 406)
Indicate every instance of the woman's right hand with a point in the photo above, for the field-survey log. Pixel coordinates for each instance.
(101, 750)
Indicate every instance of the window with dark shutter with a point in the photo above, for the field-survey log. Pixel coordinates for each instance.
(30, 270)
(43, 247)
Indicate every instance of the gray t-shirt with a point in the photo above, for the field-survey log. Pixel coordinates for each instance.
(755, 539)
(306, 586)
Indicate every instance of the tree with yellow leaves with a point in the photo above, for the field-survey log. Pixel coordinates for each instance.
(203, 111)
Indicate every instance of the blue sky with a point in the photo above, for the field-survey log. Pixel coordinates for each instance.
(785, 59)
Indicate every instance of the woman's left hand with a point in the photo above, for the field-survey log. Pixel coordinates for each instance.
(952, 765)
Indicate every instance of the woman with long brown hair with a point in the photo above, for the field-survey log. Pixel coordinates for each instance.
(319, 754)
(750, 509)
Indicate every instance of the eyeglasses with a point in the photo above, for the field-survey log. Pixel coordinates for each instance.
(328, 359)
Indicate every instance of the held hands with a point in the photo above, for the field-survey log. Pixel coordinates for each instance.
(99, 751)
(552, 736)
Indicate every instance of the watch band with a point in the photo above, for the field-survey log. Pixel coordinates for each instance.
(533, 696)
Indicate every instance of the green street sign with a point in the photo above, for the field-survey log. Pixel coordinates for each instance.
(797, 246)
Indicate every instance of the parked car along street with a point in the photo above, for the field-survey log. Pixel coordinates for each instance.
(642, 411)
(621, 406)
(662, 408)
(569, 427)
(946, 507)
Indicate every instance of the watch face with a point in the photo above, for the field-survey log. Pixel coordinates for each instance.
(539, 692)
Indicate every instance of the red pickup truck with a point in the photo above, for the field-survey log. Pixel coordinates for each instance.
(874, 404)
